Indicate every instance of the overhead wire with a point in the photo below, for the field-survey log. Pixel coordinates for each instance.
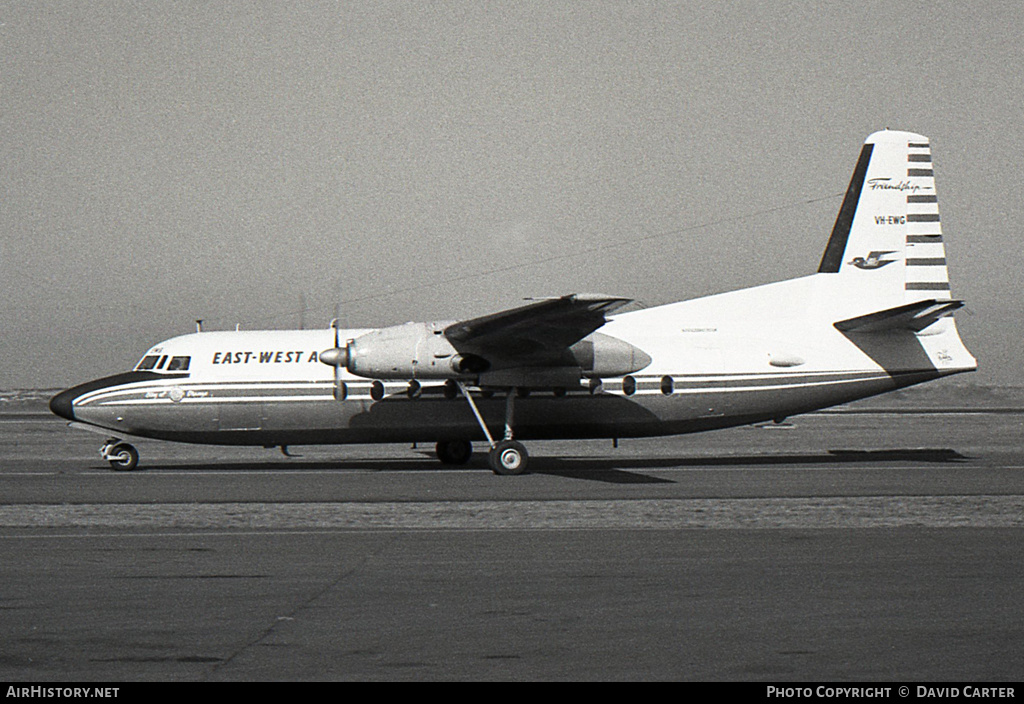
(546, 260)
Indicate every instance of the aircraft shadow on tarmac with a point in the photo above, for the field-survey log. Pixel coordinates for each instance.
(613, 470)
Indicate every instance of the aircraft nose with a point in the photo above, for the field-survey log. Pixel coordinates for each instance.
(61, 404)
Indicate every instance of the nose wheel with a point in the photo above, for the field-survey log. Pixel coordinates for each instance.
(121, 456)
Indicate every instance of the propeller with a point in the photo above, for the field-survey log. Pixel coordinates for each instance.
(337, 357)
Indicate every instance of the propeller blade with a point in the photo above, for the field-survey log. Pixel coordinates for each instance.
(340, 391)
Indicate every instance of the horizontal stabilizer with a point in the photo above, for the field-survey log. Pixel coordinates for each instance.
(913, 316)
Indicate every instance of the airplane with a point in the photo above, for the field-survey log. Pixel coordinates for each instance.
(876, 316)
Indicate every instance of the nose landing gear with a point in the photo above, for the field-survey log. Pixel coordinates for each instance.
(121, 456)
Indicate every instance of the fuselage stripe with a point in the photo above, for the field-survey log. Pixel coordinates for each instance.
(646, 386)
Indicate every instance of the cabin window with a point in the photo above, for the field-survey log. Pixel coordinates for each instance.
(178, 364)
(668, 385)
(147, 363)
(628, 385)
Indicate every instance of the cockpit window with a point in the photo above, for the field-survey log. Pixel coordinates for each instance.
(178, 364)
(148, 362)
(155, 362)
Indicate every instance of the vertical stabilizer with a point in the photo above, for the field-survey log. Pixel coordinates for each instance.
(887, 240)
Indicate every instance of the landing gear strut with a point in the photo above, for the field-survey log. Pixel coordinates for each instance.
(121, 456)
(507, 456)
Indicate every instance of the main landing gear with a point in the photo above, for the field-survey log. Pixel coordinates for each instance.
(507, 456)
(454, 451)
(121, 456)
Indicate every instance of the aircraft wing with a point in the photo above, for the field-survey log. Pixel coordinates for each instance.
(543, 330)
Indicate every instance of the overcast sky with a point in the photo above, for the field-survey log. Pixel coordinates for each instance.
(389, 161)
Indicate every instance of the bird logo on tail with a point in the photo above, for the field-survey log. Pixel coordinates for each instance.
(872, 261)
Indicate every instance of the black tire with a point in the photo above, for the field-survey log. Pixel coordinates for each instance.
(454, 451)
(508, 458)
(123, 457)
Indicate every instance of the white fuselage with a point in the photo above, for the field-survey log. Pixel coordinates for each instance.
(730, 359)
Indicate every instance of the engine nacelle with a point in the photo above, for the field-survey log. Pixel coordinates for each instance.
(601, 356)
(421, 351)
(409, 351)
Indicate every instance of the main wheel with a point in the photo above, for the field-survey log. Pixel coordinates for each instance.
(508, 457)
(454, 451)
(123, 457)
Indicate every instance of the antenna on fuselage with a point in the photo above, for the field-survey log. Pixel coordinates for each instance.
(199, 325)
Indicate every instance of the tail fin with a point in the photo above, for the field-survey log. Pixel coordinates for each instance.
(887, 239)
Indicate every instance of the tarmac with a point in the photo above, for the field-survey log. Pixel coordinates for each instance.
(838, 547)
